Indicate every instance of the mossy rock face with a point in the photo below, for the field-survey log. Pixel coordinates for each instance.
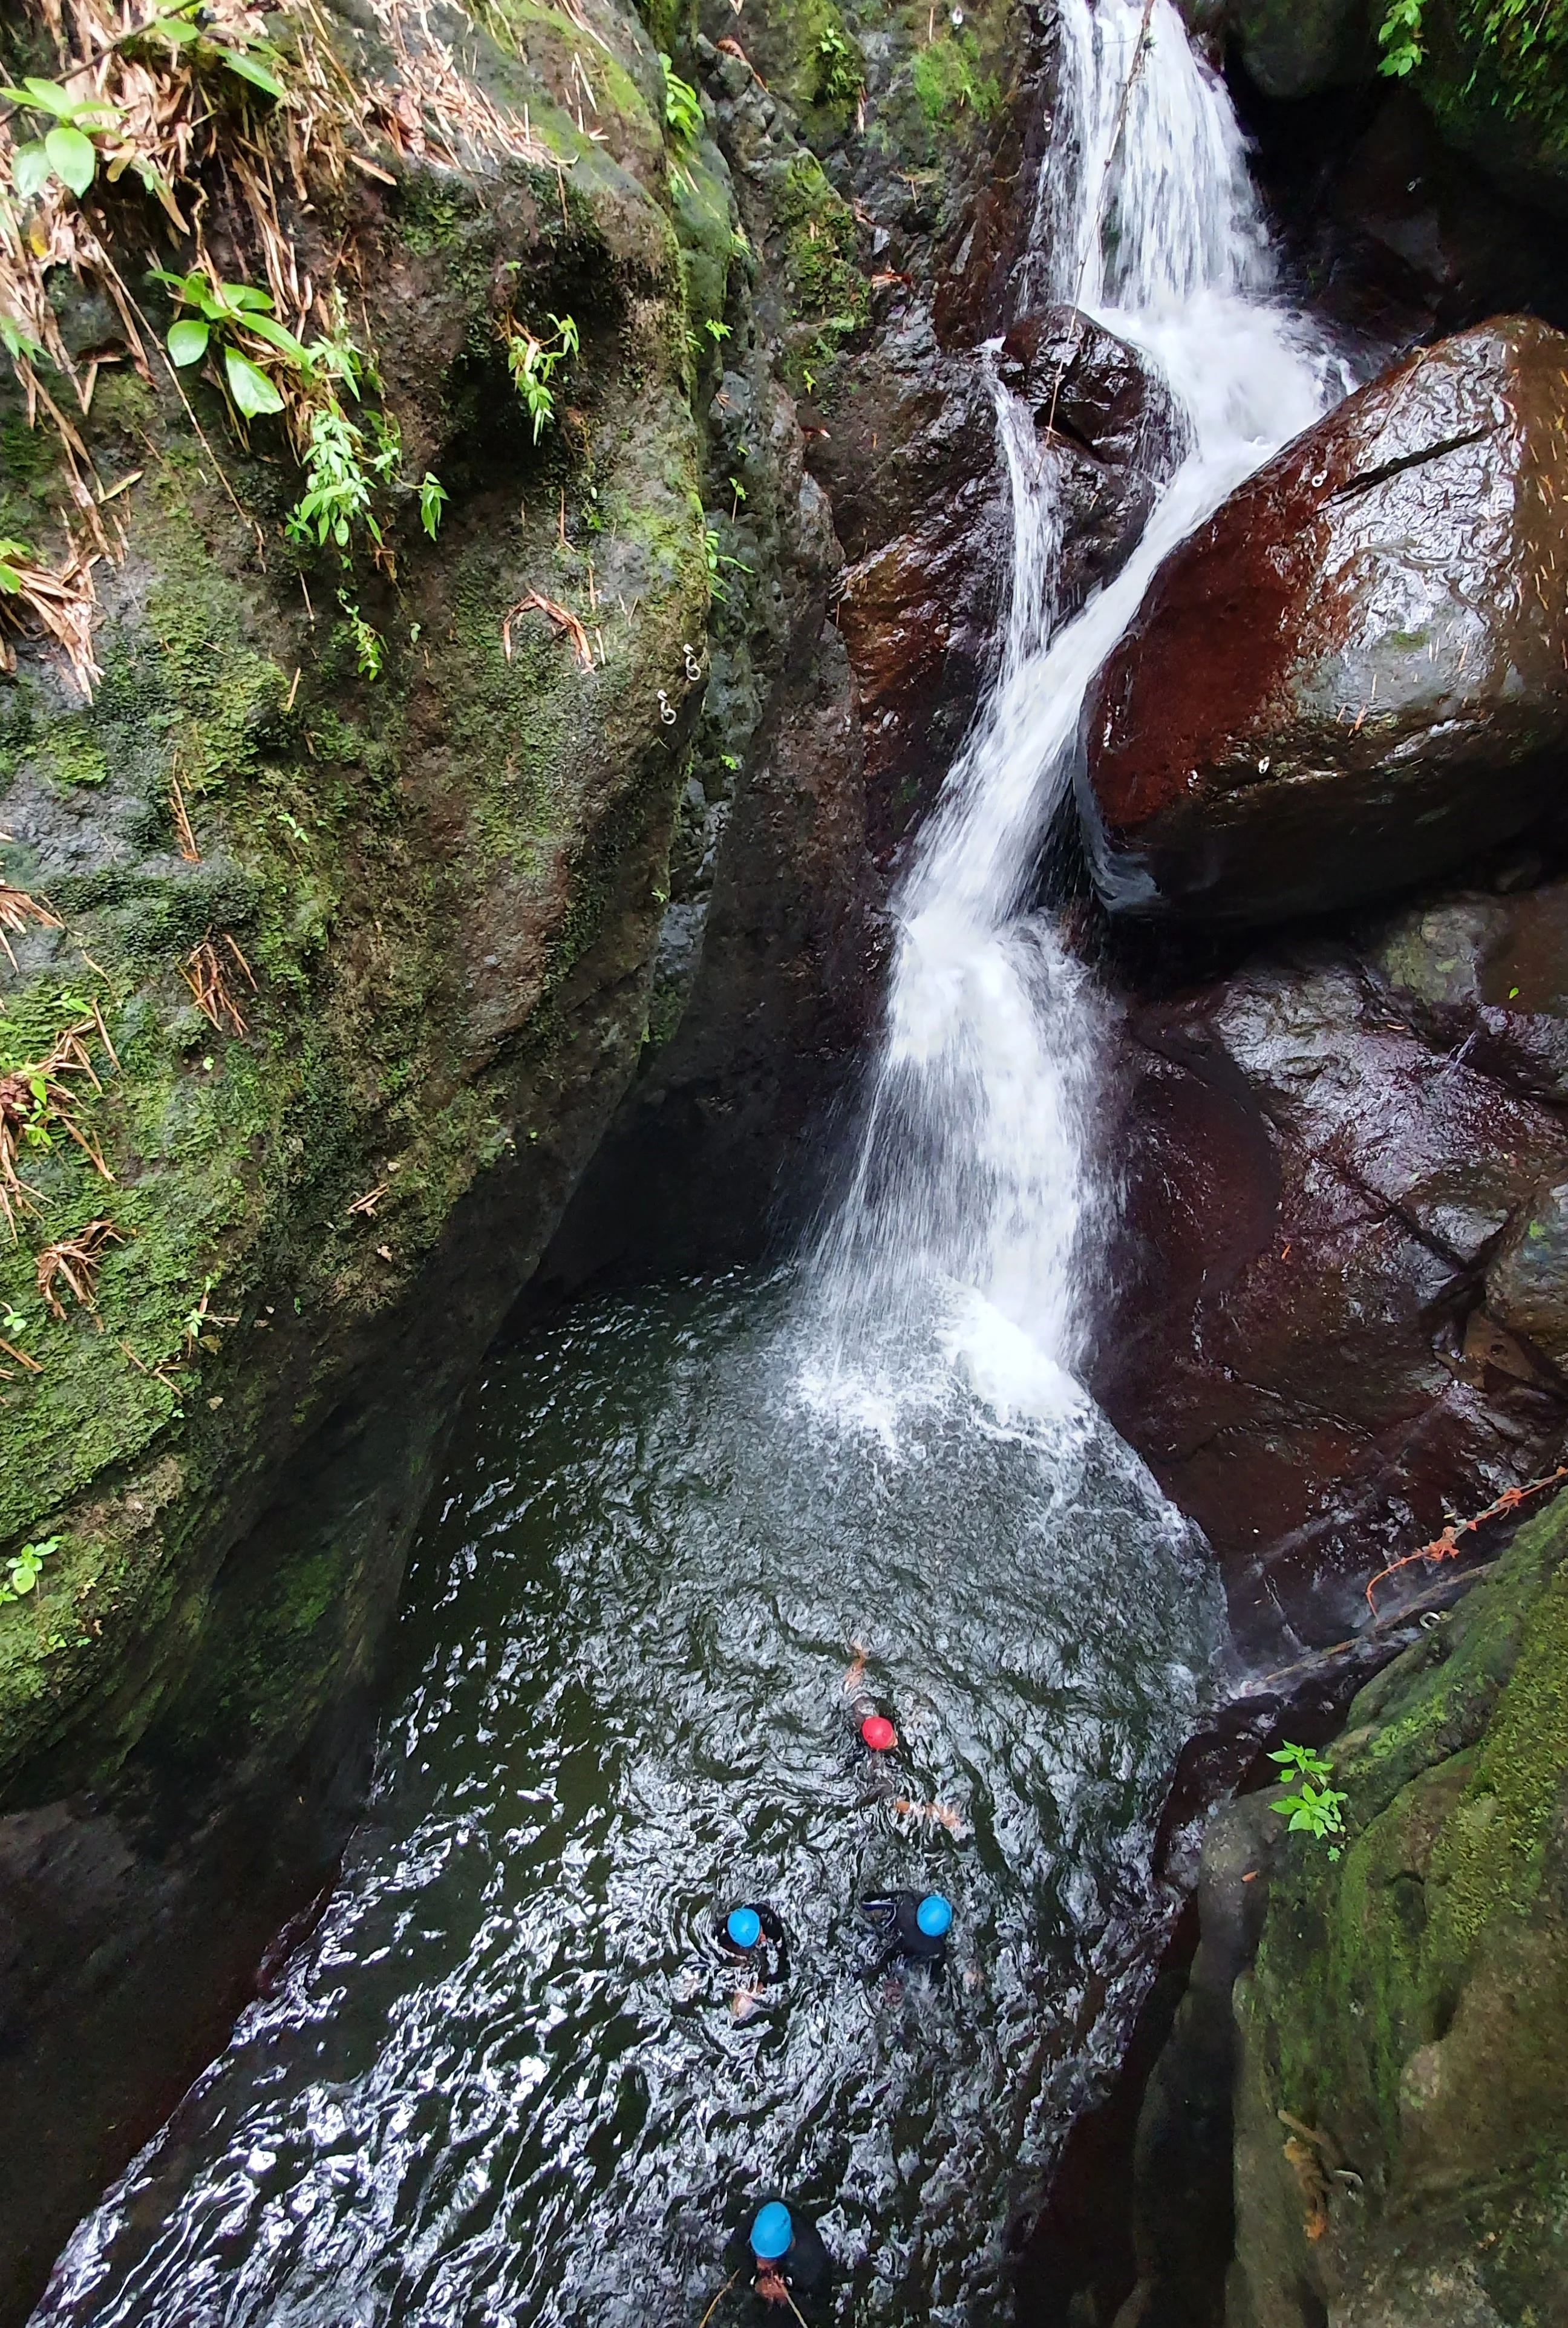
(1495, 79)
(433, 899)
(1403, 2098)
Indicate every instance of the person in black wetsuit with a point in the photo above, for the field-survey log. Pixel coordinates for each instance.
(754, 1937)
(913, 1927)
(787, 2257)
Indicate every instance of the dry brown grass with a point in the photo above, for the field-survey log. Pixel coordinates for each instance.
(571, 625)
(36, 1097)
(75, 1261)
(19, 912)
(60, 605)
(209, 973)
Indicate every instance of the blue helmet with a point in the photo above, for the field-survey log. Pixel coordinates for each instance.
(743, 1926)
(772, 2233)
(933, 1915)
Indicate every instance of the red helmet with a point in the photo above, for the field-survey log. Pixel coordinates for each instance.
(878, 1733)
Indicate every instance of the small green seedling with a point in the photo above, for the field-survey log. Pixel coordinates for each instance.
(369, 647)
(1316, 1809)
(433, 500)
(716, 560)
(23, 1568)
(533, 363)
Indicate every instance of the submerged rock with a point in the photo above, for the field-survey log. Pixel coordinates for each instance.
(1353, 676)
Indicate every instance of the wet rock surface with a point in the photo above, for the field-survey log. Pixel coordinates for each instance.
(1352, 676)
(1111, 428)
(1399, 238)
(1326, 1334)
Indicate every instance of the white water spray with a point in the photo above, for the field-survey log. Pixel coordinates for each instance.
(970, 1200)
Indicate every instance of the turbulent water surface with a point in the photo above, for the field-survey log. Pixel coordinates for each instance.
(505, 2082)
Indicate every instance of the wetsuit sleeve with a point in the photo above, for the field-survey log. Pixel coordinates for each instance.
(807, 2268)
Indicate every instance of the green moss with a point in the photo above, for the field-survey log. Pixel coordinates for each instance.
(948, 79)
(1454, 1764)
(1495, 74)
(831, 301)
(1488, 1860)
(360, 846)
(705, 223)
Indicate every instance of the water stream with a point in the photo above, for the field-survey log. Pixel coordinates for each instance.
(507, 2079)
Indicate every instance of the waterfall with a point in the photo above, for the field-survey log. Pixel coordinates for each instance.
(972, 1199)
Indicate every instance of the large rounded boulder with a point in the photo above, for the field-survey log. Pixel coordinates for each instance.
(1355, 675)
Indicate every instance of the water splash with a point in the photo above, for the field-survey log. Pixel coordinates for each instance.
(971, 1202)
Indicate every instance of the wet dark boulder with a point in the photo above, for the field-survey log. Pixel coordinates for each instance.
(1303, 1341)
(1114, 428)
(1291, 48)
(1486, 977)
(1353, 677)
(920, 493)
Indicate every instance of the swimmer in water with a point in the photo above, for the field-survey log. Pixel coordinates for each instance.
(789, 2265)
(913, 1927)
(939, 1815)
(754, 1935)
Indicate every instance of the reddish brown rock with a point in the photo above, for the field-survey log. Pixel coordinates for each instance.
(1354, 675)
(1298, 1343)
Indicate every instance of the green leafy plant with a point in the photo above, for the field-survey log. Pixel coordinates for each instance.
(369, 647)
(254, 60)
(533, 363)
(225, 312)
(433, 500)
(1316, 1809)
(682, 105)
(840, 75)
(10, 581)
(67, 150)
(1399, 38)
(23, 1569)
(716, 560)
(343, 464)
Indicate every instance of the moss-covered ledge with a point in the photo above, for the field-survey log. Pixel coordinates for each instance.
(1402, 2105)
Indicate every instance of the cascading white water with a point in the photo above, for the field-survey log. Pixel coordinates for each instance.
(971, 1195)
